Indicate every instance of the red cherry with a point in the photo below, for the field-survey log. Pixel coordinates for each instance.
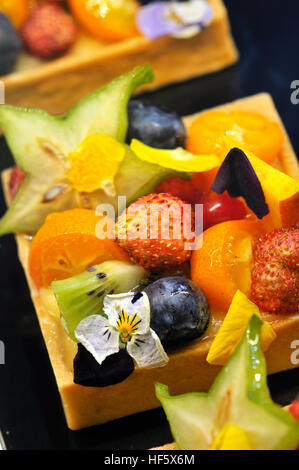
(294, 409)
(16, 177)
(220, 208)
(186, 190)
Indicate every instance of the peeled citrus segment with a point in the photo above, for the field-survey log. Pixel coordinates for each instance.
(94, 165)
(178, 159)
(233, 328)
(231, 437)
(248, 130)
(67, 244)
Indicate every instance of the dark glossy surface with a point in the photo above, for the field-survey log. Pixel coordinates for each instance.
(31, 416)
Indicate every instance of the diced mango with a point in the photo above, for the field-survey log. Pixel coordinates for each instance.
(233, 328)
(231, 437)
(177, 159)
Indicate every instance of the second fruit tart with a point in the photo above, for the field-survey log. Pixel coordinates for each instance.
(58, 84)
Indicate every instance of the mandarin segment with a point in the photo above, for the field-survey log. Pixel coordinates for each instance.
(94, 165)
(67, 244)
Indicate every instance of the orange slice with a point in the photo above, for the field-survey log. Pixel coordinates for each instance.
(67, 244)
(249, 130)
(223, 263)
(108, 20)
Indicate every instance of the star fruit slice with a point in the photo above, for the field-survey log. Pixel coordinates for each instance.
(239, 396)
(40, 144)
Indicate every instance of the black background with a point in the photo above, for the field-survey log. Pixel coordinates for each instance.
(31, 417)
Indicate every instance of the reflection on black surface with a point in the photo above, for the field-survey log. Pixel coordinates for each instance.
(31, 416)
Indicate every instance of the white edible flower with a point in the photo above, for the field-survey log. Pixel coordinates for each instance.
(126, 324)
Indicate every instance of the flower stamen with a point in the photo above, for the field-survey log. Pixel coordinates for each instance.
(127, 325)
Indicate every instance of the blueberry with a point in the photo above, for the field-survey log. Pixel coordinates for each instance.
(155, 126)
(10, 45)
(179, 309)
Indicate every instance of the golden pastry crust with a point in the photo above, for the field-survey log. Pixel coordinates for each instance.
(87, 406)
(56, 86)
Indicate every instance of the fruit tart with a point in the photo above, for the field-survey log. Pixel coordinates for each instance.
(143, 238)
(54, 53)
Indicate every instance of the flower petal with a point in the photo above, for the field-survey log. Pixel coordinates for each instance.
(96, 336)
(194, 12)
(237, 176)
(114, 369)
(178, 19)
(151, 20)
(133, 303)
(147, 350)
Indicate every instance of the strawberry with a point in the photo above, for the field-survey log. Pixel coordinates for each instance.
(185, 190)
(275, 276)
(294, 409)
(16, 177)
(49, 31)
(154, 240)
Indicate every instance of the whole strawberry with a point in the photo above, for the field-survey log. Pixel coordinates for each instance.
(49, 31)
(156, 231)
(275, 276)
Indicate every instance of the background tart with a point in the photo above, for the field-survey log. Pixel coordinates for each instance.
(57, 85)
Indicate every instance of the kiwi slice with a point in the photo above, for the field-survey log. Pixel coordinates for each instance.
(82, 295)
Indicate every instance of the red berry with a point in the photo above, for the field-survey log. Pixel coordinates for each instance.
(275, 276)
(153, 240)
(294, 409)
(16, 177)
(184, 189)
(220, 208)
(49, 31)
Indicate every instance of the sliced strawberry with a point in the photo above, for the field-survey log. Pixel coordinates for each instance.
(16, 177)
(275, 276)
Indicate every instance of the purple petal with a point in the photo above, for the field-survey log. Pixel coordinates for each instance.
(159, 18)
(151, 21)
(114, 369)
(237, 176)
